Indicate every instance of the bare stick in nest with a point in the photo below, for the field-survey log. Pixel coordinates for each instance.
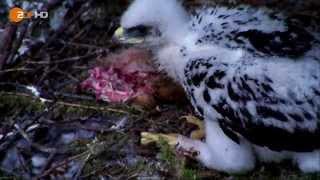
(16, 70)
(22, 32)
(69, 59)
(93, 149)
(75, 105)
(36, 145)
(85, 7)
(84, 45)
(7, 42)
(7, 49)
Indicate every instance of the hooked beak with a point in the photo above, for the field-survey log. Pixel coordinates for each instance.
(128, 36)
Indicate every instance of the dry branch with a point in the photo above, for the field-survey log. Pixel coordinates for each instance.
(7, 42)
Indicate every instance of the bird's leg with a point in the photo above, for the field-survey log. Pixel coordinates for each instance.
(189, 147)
(171, 139)
(147, 138)
(199, 133)
(181, 144)
(217, 152)
(308, 162)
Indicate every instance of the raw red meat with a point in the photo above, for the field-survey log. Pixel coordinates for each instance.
(123, 77)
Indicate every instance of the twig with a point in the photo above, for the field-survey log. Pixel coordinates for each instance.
(35, 47)
(77, 125)
(97, 169)
(83, 165)
(70, 59)
(85, 7)
(15, 70)
(73, 96)
(47, 71)
(7, 42)
(93, 107)
(10, 173)
(68, 75)
(9, 139)
(94, 149)
(22, 33)
(48, 162)
(86, 28)
(64, 162)
(89, 46)
(36, 145)
(97, 108)
(52, 4)
(22, 162)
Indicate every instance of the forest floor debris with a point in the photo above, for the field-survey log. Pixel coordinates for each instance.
(50, 127)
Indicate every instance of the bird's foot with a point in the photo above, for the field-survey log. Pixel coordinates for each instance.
(199, 133)
(147, 138)
(187, 147)
(182, 145)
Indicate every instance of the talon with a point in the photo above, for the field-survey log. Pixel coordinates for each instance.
(196, 134)
(187, 147)
(191, 153)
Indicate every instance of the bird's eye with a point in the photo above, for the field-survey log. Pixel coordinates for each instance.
(138, 31)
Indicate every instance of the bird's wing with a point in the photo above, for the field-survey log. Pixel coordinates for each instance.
(253, 107)
(259, 31)
(293, 42)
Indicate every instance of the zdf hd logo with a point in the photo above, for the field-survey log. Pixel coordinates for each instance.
(17, 14)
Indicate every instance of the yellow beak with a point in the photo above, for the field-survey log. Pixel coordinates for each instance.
(125, 38)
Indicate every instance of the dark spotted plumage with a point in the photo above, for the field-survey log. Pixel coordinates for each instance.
(293, 42)
(252, 107)
(260, 32)
(252, 100)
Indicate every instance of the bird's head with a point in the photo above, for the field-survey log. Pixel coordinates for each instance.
(150, 19)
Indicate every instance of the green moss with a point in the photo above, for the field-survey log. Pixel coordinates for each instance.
(303, 177)
(6, 176)
(78, 146)
(189, 174)
(166, 153)
(178, 165)
(67, 111)
(11, 103)
(104, 149)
